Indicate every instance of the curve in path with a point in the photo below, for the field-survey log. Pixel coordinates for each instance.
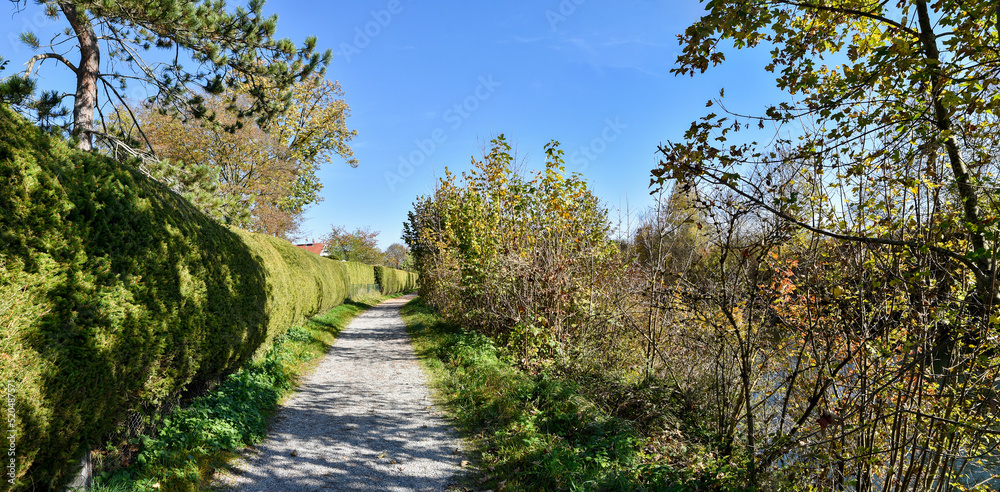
(362, 421)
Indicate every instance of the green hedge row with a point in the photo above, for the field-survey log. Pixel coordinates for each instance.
(299, 283)
(394, 281)
(117, 296)
(362, 279)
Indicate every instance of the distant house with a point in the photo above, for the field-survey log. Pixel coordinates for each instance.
(314, 247)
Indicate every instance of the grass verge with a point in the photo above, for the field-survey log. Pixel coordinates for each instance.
(561, 429)
(528, 432)
(193, 441)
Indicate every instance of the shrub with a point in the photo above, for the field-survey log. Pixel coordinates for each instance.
(362, 279)
(120, 297)
(515, 257)
(300, 283)
(531, 432)
(392, 281)
(193, 441)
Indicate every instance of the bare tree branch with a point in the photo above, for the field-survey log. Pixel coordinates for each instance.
(45, 56)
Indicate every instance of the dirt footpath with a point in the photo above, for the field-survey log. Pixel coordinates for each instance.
(363, 421)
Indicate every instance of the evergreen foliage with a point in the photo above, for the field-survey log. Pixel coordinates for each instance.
(230, 49)
(192, 442)
(362, 279)
(119, 297)
(393, 281)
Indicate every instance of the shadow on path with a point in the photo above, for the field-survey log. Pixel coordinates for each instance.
(363, 421)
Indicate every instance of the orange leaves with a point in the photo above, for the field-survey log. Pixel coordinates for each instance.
(782, 285)
(786, 287)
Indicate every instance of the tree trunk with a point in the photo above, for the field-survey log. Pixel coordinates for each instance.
(86, 76)
(986, 291)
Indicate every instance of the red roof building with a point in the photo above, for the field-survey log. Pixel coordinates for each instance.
(313, 247)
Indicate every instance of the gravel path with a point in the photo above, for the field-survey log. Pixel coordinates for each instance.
(363, 421)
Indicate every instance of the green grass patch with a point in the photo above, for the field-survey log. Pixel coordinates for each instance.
(529, 432)
(193, 441)
(559, 429)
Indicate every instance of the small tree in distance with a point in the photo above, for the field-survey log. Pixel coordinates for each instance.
(360, 245)
(397, 255)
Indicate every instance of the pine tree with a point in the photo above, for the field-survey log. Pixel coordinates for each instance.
(229, 49)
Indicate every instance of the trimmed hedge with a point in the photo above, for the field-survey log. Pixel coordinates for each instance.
(117, 296)
(394, 281)
(299, 283)
(362, 279)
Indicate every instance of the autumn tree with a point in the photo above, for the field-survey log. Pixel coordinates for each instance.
(673, 232)
(898, 105)
(881, 158)
(251, 170)
(511, 255)
(116, 39)
(397, 256)
(361, 245)
(264, 177)
(314, 129)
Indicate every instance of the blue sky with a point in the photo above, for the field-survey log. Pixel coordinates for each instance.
(429, 83)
